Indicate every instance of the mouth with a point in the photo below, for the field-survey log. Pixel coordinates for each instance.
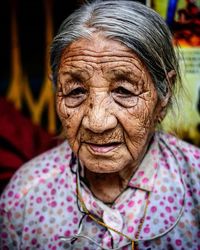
(102, 148)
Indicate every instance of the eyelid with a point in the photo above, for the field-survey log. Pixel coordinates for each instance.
(123, 89)
(134, 86)
(121, 78)
(73, 82)
(71, 94)
(123, 81)
(68, 85)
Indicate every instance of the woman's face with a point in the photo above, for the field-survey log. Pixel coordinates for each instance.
(107, 104)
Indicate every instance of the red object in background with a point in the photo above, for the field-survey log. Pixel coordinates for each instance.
(20, 140)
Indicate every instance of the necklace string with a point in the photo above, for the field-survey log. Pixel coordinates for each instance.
(108, 227)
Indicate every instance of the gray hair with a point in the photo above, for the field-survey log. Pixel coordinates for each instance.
(133, 24)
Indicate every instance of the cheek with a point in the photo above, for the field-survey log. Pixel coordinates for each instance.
(136, 136)
(71, 120)
(138, 118)
(63, 113)
(138, 125)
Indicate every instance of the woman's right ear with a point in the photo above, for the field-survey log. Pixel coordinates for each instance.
(171, 78)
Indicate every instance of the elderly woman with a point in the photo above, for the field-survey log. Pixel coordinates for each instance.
(115, 183)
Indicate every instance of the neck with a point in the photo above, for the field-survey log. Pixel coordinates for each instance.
(108, 186)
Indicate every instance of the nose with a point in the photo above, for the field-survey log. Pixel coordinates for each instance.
(99, 117)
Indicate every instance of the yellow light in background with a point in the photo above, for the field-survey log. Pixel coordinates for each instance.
(19, 86)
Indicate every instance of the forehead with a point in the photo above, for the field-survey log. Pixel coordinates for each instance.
(99, 50)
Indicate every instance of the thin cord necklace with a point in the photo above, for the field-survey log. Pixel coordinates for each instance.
(108, 227)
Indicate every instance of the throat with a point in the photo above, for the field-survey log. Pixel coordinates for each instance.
(107, 186)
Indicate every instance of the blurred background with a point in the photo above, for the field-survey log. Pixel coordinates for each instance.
(28, 121)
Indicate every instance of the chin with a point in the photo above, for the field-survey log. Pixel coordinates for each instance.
(102, 166)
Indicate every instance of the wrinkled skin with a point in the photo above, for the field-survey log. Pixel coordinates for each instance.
(108, 107)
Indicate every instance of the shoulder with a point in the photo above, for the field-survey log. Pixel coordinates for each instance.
(37, 171)
(182, 150)
(187, 157)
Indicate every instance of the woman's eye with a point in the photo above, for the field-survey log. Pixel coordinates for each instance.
(77, 92)
(124, 97)
(121, 91)
(75, 97)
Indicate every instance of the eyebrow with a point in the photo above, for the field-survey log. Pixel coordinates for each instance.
(75, 73)
(126, 73)
(119, 72)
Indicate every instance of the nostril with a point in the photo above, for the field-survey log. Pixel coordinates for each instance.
(99, 124)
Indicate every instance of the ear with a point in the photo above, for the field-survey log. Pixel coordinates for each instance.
(171, 77)
(170, 80)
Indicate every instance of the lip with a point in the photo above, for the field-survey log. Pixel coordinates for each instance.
(102, 148)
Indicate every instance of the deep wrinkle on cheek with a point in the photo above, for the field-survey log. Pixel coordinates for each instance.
(68, 115)
(59, 104)
(72, 132)
(62, 110)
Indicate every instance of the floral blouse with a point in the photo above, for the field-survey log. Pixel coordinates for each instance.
(39, 209)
